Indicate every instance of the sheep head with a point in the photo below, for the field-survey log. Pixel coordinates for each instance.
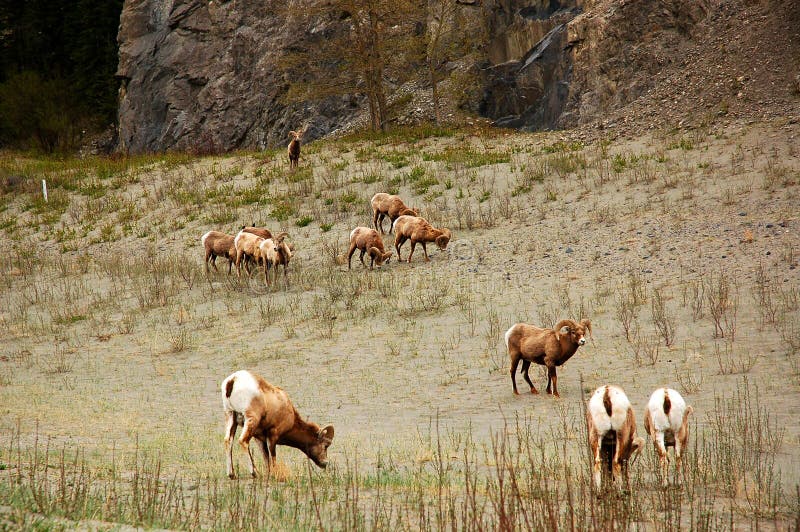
(575, 332)
(318, 449)
(379, 256)
(296, 135)
(443, 239)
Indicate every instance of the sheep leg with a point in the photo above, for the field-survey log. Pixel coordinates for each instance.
(266, 268)
(595, 443)
(244, 441)
(230, 265)
(661, 449)
(413, 245)
(350, 255)
(552, 378)
(230, 434)
(425, 250)
(398, 243)
(514, 363)
(361, 257)
(525, 365)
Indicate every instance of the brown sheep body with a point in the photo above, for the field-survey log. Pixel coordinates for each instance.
(418, 230)
(218, 244)
(247, 245)
(293, 148)
(666, 420)
(611, 427)
(276, 252)
(547, 347)
(367, 241)
(391, 206)
(265, 413)
(263, 232)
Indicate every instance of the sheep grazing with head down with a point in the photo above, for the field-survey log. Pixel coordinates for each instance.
(547, 347)
(612, 432)
(384, 205)
(276, 252)
(367, 241)
(294, 148)
(217, 244)
(265, 413)
(418, 230)
(667, 422)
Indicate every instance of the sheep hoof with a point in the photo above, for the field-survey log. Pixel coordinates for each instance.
(516, 392)
(232, 476)
(534, 391)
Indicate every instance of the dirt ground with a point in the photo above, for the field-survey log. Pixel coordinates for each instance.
(102, 351)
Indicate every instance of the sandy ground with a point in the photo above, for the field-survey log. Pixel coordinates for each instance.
(568, 248)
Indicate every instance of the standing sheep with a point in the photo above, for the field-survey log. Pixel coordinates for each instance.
(217, 244)
(418, 230)
(547, 347)
(367, 241)
(265, 413)
(276, 252)
(612, 432)
(384, 205)
(667, 422)
(247, 245)
(294, 148)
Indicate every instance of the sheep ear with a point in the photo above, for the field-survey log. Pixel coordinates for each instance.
(564, 329)
(326, 433)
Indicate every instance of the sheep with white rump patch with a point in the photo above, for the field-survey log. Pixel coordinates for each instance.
(612, 432)
(265, 413)
(667, 422)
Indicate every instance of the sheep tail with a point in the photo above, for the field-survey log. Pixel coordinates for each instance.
(607, 402)
(229, 387)
(667, 403)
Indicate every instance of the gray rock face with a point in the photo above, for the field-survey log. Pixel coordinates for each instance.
(592, 56)
(200, 75)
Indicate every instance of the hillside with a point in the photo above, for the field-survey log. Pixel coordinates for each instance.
(681, 247)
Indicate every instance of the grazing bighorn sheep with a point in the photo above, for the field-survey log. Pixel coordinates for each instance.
(546, 347)
(384, 205)
(612, 431)
(265, 413)
(667, 422)
(418, 230)
(276, 252)
(247, 245)
(294, 148)
(367, 241)
(218, 244)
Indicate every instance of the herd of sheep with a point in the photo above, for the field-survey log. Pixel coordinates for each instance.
(266, 414)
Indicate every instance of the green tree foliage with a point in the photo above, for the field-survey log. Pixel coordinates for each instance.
(57, 66)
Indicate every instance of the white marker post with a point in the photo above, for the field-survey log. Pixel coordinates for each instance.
(44, 189)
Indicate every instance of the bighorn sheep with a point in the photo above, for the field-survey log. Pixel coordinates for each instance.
(418, 230)
(547, 347)
(275, 252)
(247, 245)
(612, 431)
(667, 422)
(265, 413)
(263, 232)
(367, 241)
(218, 244)
(384, 205)
(294, 148)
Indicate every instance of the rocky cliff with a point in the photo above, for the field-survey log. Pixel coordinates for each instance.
(201, 75)
(205, 75)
